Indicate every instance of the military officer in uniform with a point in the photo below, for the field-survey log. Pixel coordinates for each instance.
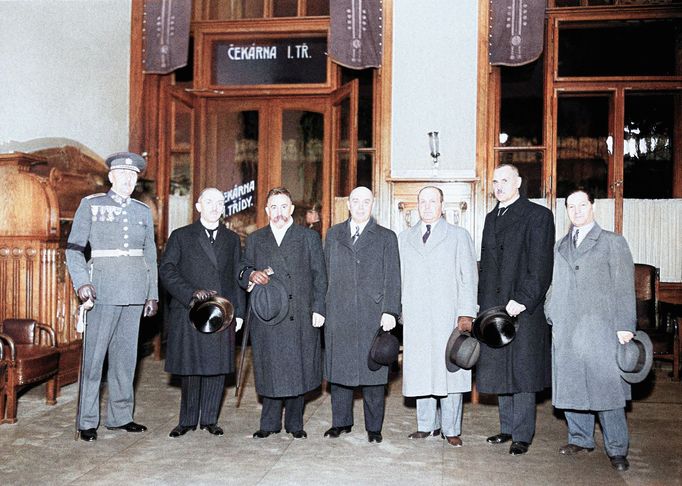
(121, 280)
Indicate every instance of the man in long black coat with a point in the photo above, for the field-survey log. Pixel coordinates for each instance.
(201, 259)
(363, 266)
(287, 355)
(515, 272)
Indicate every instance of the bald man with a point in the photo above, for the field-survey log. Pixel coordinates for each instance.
(363, 266)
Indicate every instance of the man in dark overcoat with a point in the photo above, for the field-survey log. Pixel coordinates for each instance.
(515, 272)
(363, 266)
(287, 355)
(592, 309)
(200, 260)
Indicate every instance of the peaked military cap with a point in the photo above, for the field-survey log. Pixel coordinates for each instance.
(126, 160)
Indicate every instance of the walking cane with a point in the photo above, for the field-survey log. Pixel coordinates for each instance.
(81, 327)
(242, 359)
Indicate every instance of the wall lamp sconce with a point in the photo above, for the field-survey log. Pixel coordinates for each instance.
(434, 145)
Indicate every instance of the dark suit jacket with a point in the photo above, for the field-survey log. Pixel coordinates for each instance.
(189, 263)
(287, 357)
(516, 263)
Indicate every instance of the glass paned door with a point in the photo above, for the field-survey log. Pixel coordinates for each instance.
(232, 146)
(584, 154)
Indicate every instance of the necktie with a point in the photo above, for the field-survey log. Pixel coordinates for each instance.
(357, 234)
(575, 238)
(211, 239)
(427, 234)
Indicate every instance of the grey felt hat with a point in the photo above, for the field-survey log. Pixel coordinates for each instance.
(635, 358)
(462, 351)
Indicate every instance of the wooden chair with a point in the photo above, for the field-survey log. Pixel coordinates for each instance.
(3, 383)
(656, 318)
(28, 359)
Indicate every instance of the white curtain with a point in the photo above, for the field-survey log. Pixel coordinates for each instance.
(652, 228)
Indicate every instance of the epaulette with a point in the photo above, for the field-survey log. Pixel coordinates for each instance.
(99, 194)
(140, 202)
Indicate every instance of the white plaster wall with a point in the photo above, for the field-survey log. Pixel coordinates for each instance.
(64, 72)
(434, 87)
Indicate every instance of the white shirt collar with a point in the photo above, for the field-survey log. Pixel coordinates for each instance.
(353, 225)
(279, 233)
(433, 225)
(582, 232)
(510, 202)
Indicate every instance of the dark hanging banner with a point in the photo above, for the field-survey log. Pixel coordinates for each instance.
(165, 35)
(356, 33)
(270, 61)
(516, 31)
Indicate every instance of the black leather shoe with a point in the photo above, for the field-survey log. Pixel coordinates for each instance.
(299, 434)
(374, 437)
(573, 449)
(88, 435)
(181, 430)
(334, 432)
(129, 427)
(213, 429)
(262, 434)
(498, 439)
(620, 463)
(517, 448)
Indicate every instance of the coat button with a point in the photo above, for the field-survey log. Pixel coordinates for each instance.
(288, 276)
(291, 296)
(577, 267)
(497, 290)
(291, 318)
(357, 261)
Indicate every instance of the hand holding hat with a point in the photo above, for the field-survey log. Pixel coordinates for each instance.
(318, 320)
(387, 321)
(624, 337)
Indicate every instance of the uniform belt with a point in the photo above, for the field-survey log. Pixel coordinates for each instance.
(115, 253)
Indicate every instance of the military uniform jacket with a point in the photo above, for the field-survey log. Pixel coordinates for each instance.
(110, 222)
(190, 263)
(516, 263)
(287, 357)
(364, 283)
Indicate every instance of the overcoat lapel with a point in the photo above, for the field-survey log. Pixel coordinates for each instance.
(438, 235)
(344, 238)
(366, 237)
(205, 244)
(589, 241)
(514, 213)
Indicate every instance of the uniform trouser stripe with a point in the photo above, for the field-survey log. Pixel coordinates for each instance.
(112, 330)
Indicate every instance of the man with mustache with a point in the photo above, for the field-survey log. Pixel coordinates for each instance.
(515, 272)
(287, 355)
(121, 280)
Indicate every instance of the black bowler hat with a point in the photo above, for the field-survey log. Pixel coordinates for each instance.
(270, 302)
(494, 327)
(384, 350)
(126, 160)
(635, 358)
(211, 315)
(462, 351)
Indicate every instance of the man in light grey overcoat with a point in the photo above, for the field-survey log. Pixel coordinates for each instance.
(591, 307)
(120, 278)
(363, 267)
(287, 356)
(439, 281)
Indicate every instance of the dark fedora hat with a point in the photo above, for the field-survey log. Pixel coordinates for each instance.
(462, 351)
(384, 350)
(270, 302)
(211, 315)
(494, 327)
(635, 358)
